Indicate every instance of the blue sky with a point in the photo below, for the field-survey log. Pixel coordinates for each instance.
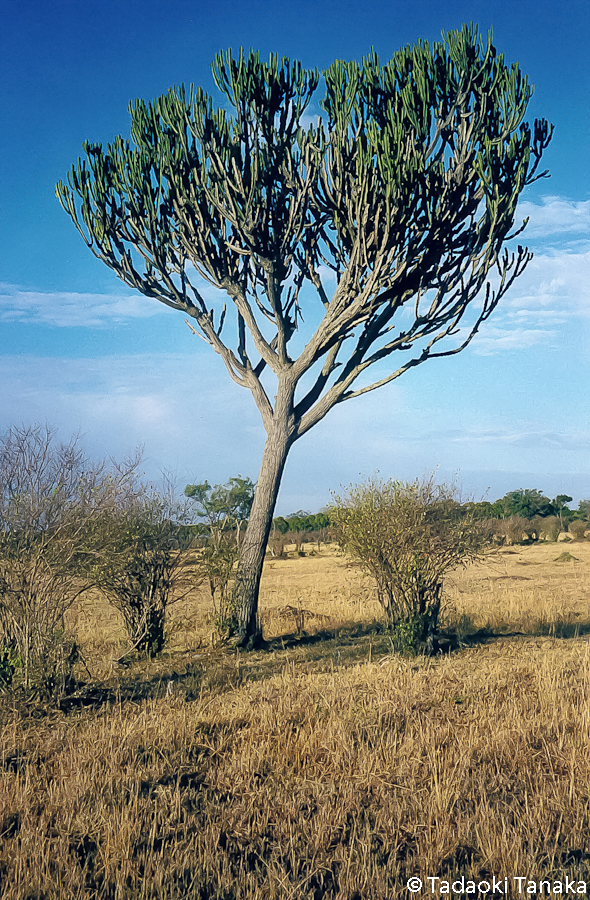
(80, 351)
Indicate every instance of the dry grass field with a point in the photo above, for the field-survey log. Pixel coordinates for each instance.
(325, 766)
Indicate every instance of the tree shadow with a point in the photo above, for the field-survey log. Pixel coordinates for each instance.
(223, 670)
(192, 676)
(563, 630)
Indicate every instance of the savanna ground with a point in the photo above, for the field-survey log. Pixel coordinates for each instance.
(325, 765)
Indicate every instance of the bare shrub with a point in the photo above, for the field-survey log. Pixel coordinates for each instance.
(536, 527)
(407, 536)
(216, 562)
(276, 544)
(515, 529)
(139, 566)
(550, 528)
(577, 529)
(299, 538)
(51, 498)
(322, 536)
(497, 531)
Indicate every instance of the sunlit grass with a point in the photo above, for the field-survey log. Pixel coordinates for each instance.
(325, 766)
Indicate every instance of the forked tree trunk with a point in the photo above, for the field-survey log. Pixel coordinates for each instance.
(255, 540)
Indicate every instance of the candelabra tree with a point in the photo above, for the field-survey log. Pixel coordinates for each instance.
(382, 219)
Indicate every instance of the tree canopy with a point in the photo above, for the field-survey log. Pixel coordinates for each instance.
(405, 190)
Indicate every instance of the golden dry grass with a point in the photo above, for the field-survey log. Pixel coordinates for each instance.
(325, 767)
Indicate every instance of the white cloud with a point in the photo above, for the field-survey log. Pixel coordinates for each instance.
(554, 282)
(495, 338)
(508, 438)
(555, 215)
(196, 423)
(182, 407)
(553, 292)
(512, 332)
(68, 308)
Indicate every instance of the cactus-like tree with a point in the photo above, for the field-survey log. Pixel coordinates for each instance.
(389, 213)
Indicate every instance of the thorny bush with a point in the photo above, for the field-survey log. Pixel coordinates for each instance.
(51, 498)
(407, 536)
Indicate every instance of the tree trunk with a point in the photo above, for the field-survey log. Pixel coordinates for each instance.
(253, 545)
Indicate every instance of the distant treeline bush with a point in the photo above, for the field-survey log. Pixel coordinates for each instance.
(530, 505)
(301, 521)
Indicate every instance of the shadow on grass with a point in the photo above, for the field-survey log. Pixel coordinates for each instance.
(345, 637)
(222, 670)
(566, 630)
(193, 676)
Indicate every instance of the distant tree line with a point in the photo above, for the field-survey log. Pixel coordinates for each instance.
(527, 514)
(299, 528)
(523, 514)
(301, 521)
(526, 503)
(529, 503)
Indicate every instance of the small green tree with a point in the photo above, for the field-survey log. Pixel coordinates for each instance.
(562, 511)
(223, 510)
(280, 524)
(526, 503)
(224, 507)
(407, 536)
(483, 509)
(319, 529)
